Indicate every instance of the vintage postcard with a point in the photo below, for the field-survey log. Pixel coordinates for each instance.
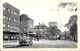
(31, 25)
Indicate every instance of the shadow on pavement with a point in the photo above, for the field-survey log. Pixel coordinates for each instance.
(15, 46)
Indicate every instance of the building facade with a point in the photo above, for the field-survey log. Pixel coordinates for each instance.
(10, 21)
(41, 31)
(72, 26)
(54, 31)
(52, 25)
(26, 24)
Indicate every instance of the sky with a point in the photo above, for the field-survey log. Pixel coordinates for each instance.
(43, 11)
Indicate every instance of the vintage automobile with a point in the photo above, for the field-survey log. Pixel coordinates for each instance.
(25, 40)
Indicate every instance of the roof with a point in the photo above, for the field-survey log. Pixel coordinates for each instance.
(25, 17)
(7, 5)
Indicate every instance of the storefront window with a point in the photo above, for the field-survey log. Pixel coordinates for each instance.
(6, 37)
(12, 37)
(4, 25)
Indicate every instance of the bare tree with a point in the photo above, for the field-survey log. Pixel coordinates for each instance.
(71, 6)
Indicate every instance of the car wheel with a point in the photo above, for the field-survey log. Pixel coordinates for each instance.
(31, 43)
(27, 44)
(21, 43)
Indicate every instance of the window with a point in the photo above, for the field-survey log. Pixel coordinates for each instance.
(31, 26)
(12, 12)
(6, 17)
(14, 27)
(8, 30)
(14, 20)
(9, 18)
(17, 21)
(3, 17)
(9, 10)
(6, 37)
(4, 25)
(4, 8)
(9, 26)
(17, 28)
(12, 37)
(15, 13)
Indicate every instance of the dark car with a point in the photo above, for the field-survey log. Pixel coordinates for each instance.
(24, 40)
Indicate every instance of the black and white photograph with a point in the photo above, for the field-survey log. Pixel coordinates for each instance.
(39, 24)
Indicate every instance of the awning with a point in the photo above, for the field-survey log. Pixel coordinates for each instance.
(10, 32)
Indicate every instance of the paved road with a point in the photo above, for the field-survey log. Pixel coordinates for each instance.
(43, 44)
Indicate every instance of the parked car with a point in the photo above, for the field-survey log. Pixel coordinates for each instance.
(24, 40)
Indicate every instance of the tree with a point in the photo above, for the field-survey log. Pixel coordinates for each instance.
(72, 25)
(73, 32)
(71, 6)
(54, 31)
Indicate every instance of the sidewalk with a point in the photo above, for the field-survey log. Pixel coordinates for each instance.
(11, 42)
(49, 42)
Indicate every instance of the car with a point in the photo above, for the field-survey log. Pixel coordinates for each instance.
(25, 40)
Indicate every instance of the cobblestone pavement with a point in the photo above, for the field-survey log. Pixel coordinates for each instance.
(42, 44)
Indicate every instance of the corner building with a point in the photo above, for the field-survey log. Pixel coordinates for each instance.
(26, 24)
(10, 21)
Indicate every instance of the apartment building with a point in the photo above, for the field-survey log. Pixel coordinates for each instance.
(10, 21)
